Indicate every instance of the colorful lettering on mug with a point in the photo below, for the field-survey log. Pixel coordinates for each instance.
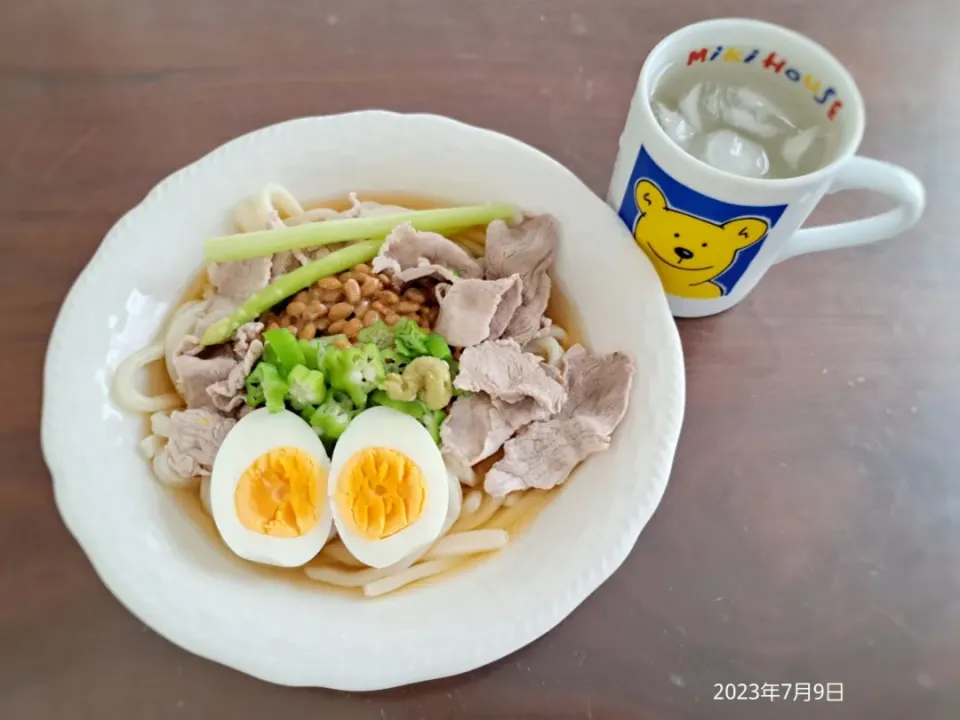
(827, 94)
(775, 63)
(811, 83)
(732, 55)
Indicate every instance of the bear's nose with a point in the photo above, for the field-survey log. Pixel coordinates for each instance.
(683, 253)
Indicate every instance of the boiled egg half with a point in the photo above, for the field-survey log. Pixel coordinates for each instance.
(388, 487)
(268, 489)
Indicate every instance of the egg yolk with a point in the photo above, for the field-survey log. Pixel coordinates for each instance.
(380, 492)
(277, 494)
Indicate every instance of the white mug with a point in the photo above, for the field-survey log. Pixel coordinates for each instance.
(740, 226)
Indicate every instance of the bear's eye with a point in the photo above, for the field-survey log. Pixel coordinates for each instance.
(676, 235)
(703, 245)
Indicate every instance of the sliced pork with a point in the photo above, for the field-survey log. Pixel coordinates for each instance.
(473, 430)
(214, 377)
(504, 371)
(545, 453)
(371, 208)
(598, 387)
(217, 308)
(197, 374)
(472, 311)
(527, 249)
(195, 437)
(286, 261)
(247, 336)
(511, 389)
(240, 279)
(411, 255)
(479, 425)
(526, 321)
(228, 394)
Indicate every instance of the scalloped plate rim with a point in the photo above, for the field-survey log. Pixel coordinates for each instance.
(524, 632)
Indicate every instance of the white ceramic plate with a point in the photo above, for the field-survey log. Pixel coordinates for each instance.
(164, 567)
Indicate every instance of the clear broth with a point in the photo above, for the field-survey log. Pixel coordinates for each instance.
(559, 309)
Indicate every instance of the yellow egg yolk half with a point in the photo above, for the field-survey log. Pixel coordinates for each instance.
(380, 492)
(277, 494)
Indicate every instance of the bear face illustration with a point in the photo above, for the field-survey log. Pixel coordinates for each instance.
(687, 251)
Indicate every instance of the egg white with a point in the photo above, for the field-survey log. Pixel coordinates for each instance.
(385, 427)
(258, 433)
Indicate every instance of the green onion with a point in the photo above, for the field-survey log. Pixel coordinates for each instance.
(380, 334)
(267, 242)
(254, 386)
(283, 351)
(274, 387)
(410, 339)
(307, 387)
(413, 408)
(437, 346)
(290, 284)
(432, 420)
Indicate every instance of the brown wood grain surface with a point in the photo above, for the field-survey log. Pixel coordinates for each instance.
(811, 528)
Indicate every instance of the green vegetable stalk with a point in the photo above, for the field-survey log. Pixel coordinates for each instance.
(380, 334)
(307, 387)
(410, 339)
(274, 387)
(267, 242)
(437, 346)
(309, 350)
(354, 370)
(392, 362)
(414, 408)
(253, 386)
(331, 418)
(432, 420)
(282, 350)
(314, 350)
(290, 284)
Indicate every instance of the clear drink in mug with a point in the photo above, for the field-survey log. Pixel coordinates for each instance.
(736, 130)
(742, 122)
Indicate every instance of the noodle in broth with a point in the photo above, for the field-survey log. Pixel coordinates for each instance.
(481, 523)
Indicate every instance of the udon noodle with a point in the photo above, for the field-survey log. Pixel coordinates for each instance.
(476, 522)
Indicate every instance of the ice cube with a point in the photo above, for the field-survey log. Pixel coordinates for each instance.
(743, 119)
(712, 100)
(673, 124)
(757, 103)
(748, 110)
(689, 107)
(796, 146)
(732, 153)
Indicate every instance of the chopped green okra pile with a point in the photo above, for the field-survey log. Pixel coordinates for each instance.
(328, 382)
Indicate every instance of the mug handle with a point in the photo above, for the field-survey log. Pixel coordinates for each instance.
(862, 173)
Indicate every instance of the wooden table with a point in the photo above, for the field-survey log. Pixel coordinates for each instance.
(811, 529)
